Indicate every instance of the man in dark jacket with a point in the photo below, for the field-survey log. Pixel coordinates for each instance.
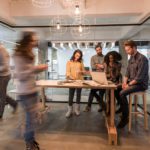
(136, 78)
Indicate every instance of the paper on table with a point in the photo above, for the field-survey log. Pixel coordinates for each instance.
(65, 81)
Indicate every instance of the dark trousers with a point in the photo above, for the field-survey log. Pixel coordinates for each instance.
(117, 94)
(99, 97)
(123, 98)
(3, 96)
(71, 95)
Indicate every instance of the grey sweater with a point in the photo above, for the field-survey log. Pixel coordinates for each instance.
(96, 59)
(4, 62)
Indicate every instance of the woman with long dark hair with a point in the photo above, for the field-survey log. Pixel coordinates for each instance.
(112, 67)
(25, 72)
(74, 71)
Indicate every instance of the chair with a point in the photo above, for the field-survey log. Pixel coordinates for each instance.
(134, 96)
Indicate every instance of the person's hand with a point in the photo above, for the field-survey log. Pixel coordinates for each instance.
(43, 67)
(99, 66)
(70, 78)
(125, 85)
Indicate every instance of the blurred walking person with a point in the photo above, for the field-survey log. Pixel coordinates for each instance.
(25, 72)
(5, 76)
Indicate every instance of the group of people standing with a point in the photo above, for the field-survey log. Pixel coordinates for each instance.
(136, 78)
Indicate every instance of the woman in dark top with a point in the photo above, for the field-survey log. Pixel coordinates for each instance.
(113, 72)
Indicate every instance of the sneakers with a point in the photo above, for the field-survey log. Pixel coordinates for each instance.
(100, 110)
(77, 109)
(124, 121)
(32, 145)
(87, 109)
(69, 112)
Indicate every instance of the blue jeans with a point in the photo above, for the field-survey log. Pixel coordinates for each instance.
(28, 103)
(123, 98)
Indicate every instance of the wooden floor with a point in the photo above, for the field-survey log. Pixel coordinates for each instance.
(86, 132)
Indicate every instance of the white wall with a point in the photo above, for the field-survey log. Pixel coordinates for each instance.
(5, 11)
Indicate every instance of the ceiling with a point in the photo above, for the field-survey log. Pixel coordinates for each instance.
(106, 20)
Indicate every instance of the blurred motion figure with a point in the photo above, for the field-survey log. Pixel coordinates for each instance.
(25, 72)
(5, 76)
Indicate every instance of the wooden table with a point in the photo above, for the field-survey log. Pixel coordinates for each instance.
(112, 132)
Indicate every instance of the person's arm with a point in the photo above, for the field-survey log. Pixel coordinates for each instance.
(106, 70)
(126, 78)
(68, 71)
(24, 70)
(125, 81)
(118, 69)
(83, 69)
(100, 66)
(93, 66)
(4, 62)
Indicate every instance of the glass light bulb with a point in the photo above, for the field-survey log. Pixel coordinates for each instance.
(77, 10)
(58, 26)
(80, 28)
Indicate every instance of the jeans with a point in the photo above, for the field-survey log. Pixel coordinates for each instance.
(3, 96)
(123, 98)
(71, 95)
(99, 98)
(28, 103)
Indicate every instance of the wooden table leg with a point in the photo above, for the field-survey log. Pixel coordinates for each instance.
(43, 97)
(112, 132)
(112, 111)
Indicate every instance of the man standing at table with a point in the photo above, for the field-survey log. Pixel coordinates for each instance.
(96, 65)
(136, 78)
(5, 77)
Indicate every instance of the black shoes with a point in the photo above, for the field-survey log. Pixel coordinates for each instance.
(15, 108)
(100, 110)
(124, 121)
(32, 145)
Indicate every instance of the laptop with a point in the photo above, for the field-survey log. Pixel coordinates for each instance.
(99, 77)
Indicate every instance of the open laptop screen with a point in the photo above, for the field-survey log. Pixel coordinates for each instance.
(99, 77)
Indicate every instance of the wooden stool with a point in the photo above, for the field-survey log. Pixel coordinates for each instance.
(136, 112)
